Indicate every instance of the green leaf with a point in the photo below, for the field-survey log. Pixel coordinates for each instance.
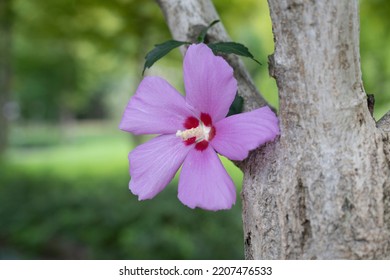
(160, 51)
(231, 47)
(202, 34)
(236, 106)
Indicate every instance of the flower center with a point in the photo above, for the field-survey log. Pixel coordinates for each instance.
(198, 132)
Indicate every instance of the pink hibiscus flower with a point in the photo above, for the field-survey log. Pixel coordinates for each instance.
(193, 128)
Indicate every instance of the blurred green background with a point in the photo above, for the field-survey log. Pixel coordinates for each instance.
(68, 68)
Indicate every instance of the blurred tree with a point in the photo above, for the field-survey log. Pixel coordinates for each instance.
(5, 67)
(68, 53)
(375, 45)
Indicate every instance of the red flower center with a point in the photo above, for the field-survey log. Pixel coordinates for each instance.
(198, 131)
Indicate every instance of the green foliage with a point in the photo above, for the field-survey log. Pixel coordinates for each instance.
(72, 58)
(236, 106)
(159, 51)
(68, 199)
(231, 48)
(202, 35)
(375, 57)
(44, 215)
(67, 53)
(68, 56)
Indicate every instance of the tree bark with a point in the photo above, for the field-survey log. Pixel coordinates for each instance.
(322, 189)
(5, 68)
(322, 196)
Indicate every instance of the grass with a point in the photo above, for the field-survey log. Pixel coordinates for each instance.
(90, 148)
(85, 148)
(64, 195)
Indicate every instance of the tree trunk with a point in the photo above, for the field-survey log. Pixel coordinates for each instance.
(5, 68)
(322, 190)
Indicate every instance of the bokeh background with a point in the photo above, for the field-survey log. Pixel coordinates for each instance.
(69, 68)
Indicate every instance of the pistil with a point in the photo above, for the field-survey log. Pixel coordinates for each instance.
(198, 132)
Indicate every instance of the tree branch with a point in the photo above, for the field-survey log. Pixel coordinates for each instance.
(384, 126)
(186, 18)
(384, 123)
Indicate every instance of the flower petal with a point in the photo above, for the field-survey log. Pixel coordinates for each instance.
(154, 164)
(156, 108)
(209, 82)
(205, 183)
(238, 134)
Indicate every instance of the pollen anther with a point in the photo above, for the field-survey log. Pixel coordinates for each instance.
(196, 132)
(204, 131)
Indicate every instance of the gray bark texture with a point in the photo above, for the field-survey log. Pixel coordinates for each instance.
(322, 189)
